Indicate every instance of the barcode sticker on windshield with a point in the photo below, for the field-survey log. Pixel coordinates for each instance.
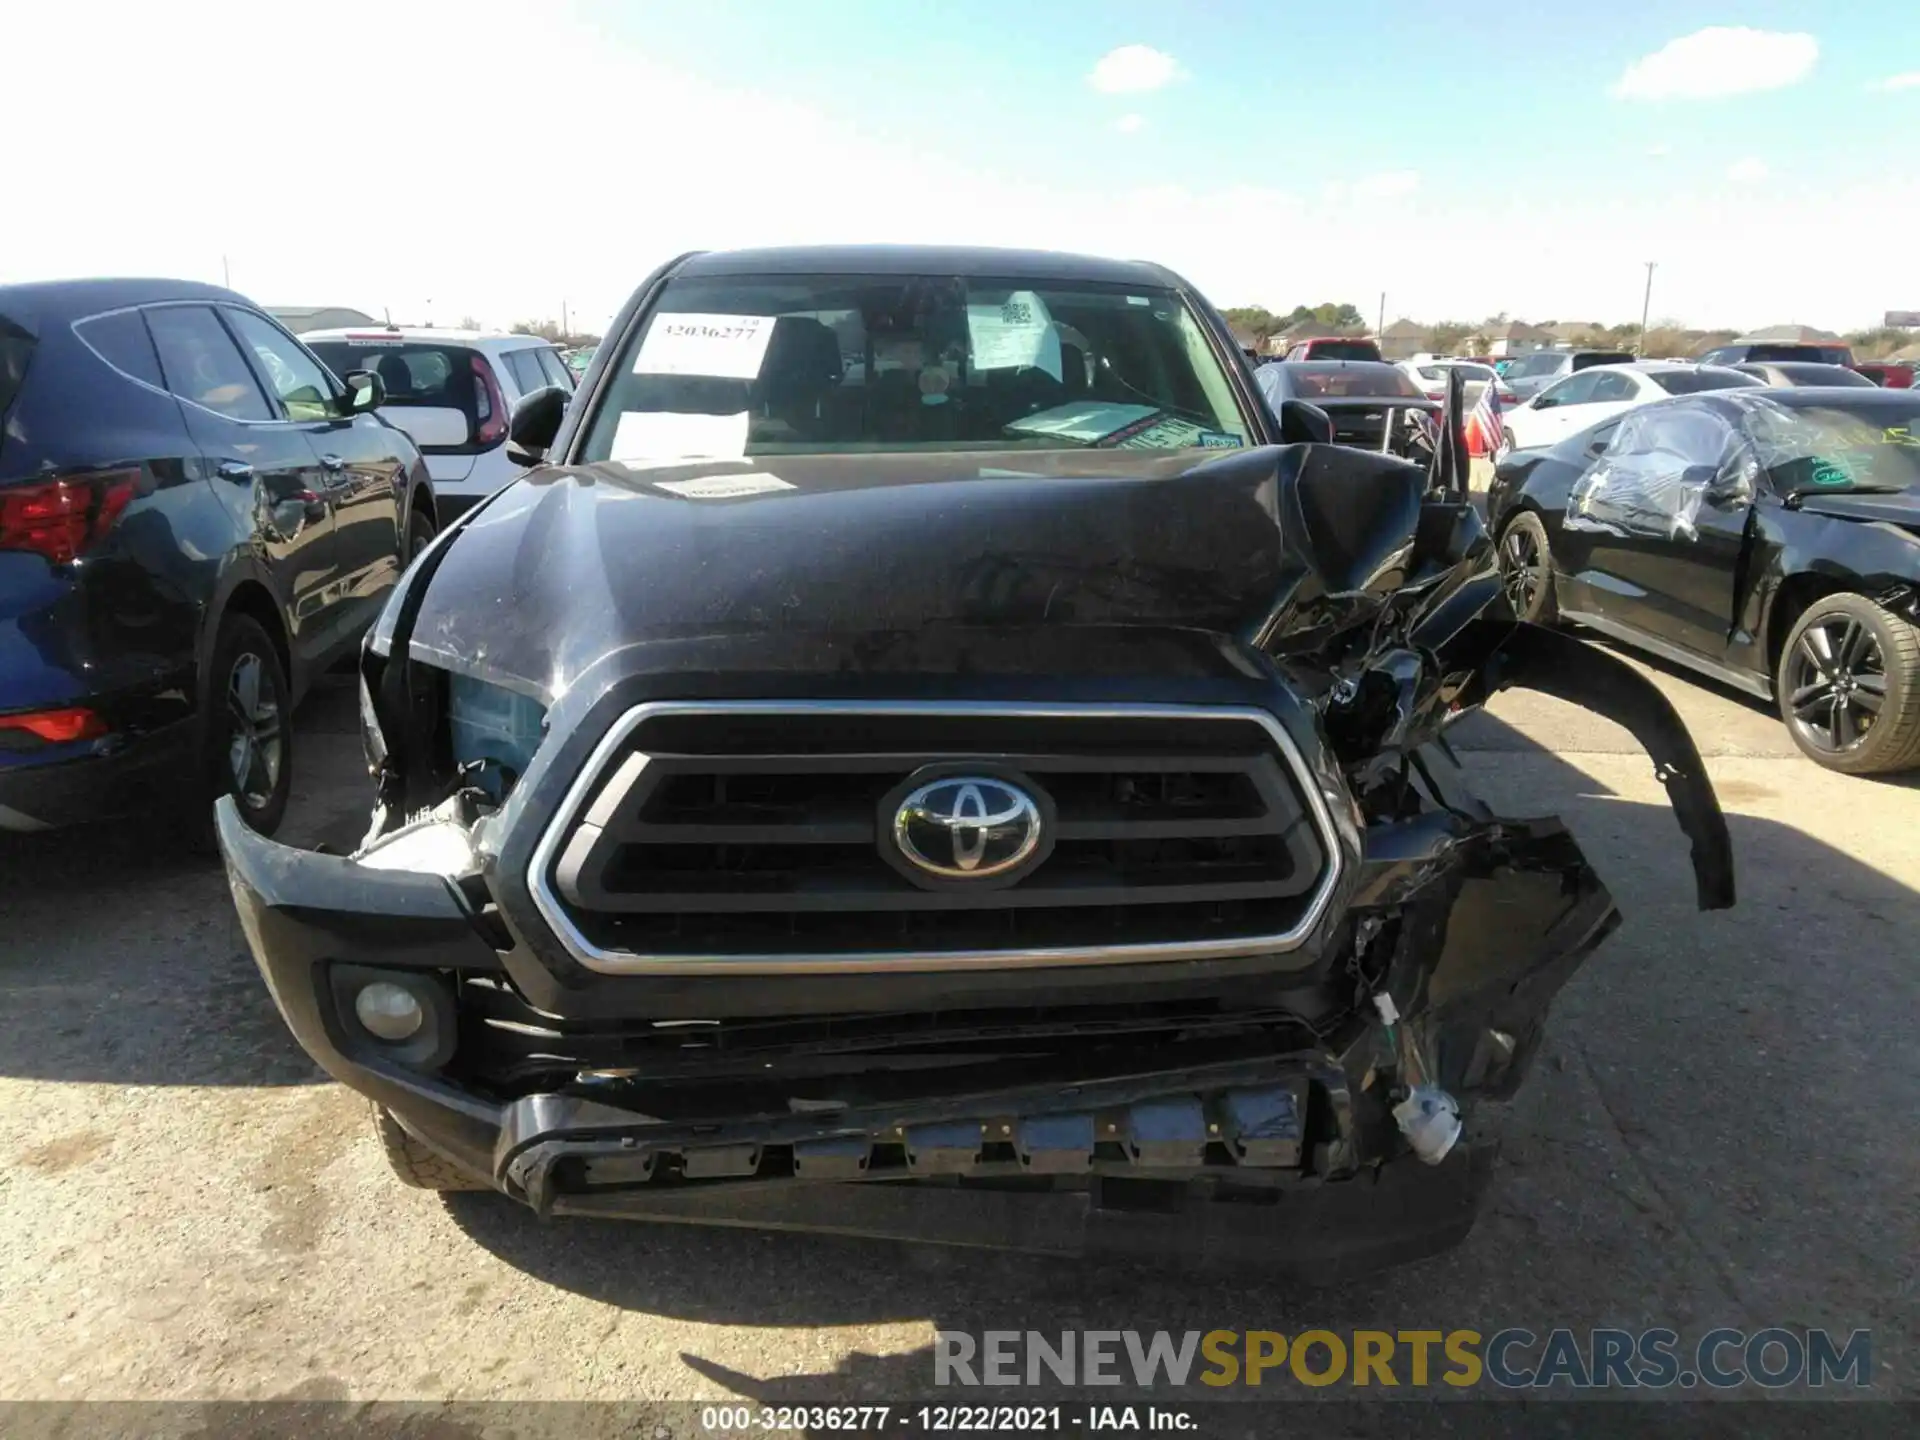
(728, 347)
(1015, 333)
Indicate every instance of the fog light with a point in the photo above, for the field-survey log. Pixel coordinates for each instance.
(389, 1011)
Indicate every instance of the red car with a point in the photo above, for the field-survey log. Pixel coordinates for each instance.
(1893, 374)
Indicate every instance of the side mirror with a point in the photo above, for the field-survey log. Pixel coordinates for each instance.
(1725, 490)
(536, 420)
(365, 391)
(1542, 402)
(1301, 423)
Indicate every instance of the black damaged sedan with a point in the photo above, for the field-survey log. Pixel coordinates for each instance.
(1769, 539)
(927, 753)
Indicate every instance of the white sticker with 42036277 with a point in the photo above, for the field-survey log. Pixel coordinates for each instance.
(729, 347)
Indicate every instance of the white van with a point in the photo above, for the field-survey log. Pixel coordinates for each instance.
(452, 391)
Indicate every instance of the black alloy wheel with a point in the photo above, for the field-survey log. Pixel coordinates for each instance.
(1526, 569)
(248, 736)
(1849, 686)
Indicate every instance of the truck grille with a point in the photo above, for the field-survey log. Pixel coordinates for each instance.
(752, 837)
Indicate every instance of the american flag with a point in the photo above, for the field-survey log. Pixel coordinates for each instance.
(1484, 425)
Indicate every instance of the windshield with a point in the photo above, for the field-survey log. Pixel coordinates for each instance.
(412, 374)
(791, 364)
(1818, 354)
(1827, 449)
(1343, 350)
(1688, 382)
(1311, 381)
(1802, 372)
(430, 389)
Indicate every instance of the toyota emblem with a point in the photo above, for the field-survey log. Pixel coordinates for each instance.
(967, 827)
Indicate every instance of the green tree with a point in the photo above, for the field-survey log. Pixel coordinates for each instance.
(1256, 320)
(1447, 336)
(1880, 342)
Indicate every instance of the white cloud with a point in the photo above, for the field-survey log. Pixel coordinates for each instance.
(1387, 185)
(1129, 124)
(1132, 69)
(1718, 61)
(1907, 81)
(1748, 171)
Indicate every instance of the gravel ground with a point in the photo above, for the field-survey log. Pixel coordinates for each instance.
(1719, 1132)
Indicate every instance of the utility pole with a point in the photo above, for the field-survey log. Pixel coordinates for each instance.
(564, 331)
(226, 274)
(1646, 307)
(1381, 328)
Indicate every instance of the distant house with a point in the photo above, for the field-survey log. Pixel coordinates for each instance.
(1519, 338)
(1568, 333)
(1404, 339)
(302, 318)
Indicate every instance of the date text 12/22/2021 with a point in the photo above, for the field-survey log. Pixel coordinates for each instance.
(944, 1419)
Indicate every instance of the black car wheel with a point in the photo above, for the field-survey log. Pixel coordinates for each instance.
(1849, 686)
(420, 533)
(248, 737)
(1526, 567)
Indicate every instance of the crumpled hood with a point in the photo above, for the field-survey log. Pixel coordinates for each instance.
(827, 555)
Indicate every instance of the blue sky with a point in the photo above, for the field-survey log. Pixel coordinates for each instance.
(1294, 93)
(1463, 158)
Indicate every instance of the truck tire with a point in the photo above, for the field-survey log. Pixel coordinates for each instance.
(414, 1163)
(1848, 685)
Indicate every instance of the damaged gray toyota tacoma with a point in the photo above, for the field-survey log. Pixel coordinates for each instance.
(927, 753)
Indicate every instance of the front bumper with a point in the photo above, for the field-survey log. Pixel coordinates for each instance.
(1282, 1161)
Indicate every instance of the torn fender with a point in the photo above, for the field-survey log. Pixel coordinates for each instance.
(1505, 654)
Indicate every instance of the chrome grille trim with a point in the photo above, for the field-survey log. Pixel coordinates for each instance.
(621, 962)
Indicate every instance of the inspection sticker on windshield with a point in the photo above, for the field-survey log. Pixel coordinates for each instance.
(1218, 440)
(730, 347)
(722, 487)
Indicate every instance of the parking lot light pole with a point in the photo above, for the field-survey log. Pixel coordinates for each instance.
(1646, 304)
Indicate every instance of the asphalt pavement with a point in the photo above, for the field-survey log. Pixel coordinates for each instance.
(1719, 1131)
